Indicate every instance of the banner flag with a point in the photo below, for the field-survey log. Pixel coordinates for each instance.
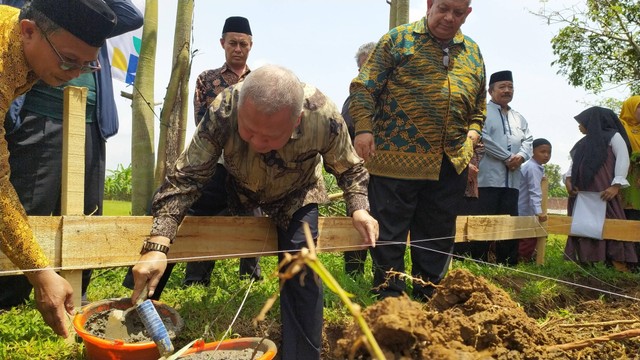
(124, 51)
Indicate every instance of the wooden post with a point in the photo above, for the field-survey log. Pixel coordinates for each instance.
(73, 140)
(541, 245)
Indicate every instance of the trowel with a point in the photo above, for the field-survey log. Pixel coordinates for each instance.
(116, 327)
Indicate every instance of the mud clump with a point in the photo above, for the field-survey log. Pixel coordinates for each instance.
(467, 318)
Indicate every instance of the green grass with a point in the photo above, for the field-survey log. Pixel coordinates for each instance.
(116, 208)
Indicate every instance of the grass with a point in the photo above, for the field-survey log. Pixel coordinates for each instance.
(116, 208)
(208, 311)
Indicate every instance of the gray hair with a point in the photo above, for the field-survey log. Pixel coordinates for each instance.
(272, 88)
(364, 49)
(44, 23)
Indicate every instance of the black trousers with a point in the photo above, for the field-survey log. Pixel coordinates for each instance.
(425, 209)
(354, 261)
(36, 174)
(498, 201)
(301, 298)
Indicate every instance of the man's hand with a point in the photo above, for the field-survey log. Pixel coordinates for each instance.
(514, 162)
(474, 136)
(367, 226)
(364, 145)
(54, 296)
(149, 269)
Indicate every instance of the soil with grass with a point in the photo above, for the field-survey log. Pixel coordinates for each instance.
(469, 318)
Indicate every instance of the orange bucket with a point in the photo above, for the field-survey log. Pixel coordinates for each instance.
(267, 346)
(97, 348)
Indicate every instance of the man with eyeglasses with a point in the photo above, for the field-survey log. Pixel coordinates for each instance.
(78, 28)
(419, 105)
(34, 136)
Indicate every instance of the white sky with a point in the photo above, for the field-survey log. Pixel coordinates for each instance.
(318, 39)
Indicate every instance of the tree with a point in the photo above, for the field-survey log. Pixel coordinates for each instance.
(398, 12)
(142, 149)
(173, 119)
(554, 177)
(598, 45)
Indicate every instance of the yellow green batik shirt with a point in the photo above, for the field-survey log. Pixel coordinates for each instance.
(419, 99)
(280, 182)
(16, 237)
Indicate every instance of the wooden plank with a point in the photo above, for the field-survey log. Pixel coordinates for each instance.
(85, 242)
(110, 241)
(614, 229)
(461, 229)
(503, 227)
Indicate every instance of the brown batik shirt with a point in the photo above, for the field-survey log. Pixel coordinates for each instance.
(279, 182)
(209, 84)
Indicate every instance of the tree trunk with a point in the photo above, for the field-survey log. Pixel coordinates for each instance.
(402, 11)
(392, 13)
(142, 149)
(398, 12)
(173, 119)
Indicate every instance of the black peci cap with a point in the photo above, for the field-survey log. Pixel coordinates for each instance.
(504, 75)
(237, 24)
(91, 21)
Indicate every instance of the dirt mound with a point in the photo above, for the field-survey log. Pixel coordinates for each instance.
(468, 318)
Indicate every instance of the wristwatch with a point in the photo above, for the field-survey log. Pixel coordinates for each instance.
(153, 246)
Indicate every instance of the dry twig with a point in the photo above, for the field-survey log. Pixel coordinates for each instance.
(602, 323)
(587, 342)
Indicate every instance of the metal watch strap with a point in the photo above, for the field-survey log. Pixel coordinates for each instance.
(153, 246)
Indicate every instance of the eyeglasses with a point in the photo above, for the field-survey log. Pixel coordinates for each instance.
(68, 65)
(445, 58)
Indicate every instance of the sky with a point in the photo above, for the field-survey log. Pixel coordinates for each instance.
(318, 39)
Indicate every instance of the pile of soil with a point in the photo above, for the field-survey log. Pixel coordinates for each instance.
(469, 318)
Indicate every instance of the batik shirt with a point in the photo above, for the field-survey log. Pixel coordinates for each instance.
(209, 84)
(279, 182)
(16, 237)
(419, 100)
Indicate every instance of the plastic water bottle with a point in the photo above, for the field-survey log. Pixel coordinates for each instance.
(155, 327)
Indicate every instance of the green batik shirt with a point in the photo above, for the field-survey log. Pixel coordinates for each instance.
(16, 237)
(279, 182)
(418, 108)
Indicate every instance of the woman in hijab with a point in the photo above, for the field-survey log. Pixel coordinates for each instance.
(600, 161)
(630, 118)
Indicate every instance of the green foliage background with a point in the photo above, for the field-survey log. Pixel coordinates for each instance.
(117, 185)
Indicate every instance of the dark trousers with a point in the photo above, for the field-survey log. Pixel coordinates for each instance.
(301, 298)
(499, 201)
(213, 201)
(425, 209)
(36, 174)
(473, 249)
(354, 261)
